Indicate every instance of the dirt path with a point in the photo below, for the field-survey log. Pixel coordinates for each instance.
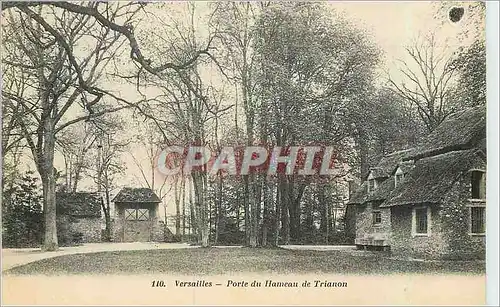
(12, 257)
(320, 247)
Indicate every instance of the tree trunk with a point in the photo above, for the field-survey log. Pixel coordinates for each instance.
(246, 200)
(266, 212)
(177, 209)
(295, 210)
(258, 207)
(238, 214)
(277, 217)
(77, 178)
(183, 191)
(363, 156)
(285, 214)
(254, 212)
(294, 219)
(323, 211)
(193, 226)
(47, 175)
(107, 216)
(201, 207)
(219, 209)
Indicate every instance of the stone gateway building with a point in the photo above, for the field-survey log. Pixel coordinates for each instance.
(429, 201)
(136, 216)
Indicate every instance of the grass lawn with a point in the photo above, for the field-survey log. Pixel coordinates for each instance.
(207, 261)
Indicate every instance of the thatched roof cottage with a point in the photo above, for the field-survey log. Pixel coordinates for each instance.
(431, 204)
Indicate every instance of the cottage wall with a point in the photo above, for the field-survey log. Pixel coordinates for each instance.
(405, 244)
(456, 220)
(369, 234)
(450, 222)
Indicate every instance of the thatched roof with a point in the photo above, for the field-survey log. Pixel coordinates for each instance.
(461, 130)
(405, 166)
(381, 172)
(433, 177)
(359, 196)
(382, 191)
(439, 152)
(136, 195)
(386, 165)
(81, 204)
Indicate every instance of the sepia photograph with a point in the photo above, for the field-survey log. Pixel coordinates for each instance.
(249, 153)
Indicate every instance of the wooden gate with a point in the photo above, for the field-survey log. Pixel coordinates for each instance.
(137, 226)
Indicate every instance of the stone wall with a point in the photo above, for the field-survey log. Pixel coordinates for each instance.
(456, 220)
(405, 244)
(89, 227)
(449, 238)
(366, 232)
(118, 224)
(158, 231)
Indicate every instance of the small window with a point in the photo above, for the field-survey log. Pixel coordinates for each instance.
(398, 178)
(477, 220)
(421, 222)
(143, 214)
(478, 183)
(371, 185)
(377, 217)
(130, 214)
(136, 214)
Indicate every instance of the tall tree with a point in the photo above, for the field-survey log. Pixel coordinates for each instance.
(61, 50)
(311, 68)
(426, 81)
(32, 50)
(236, 25)
(185, 111)
(470, 88)
(74, 143)
(105, 168)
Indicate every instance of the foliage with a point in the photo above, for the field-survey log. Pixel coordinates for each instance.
(470, 89)
(22, 213)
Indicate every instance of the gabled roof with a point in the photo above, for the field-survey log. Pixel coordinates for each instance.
(386, 165)
(405, 166)
(360, 195)
(81, 204)
(381, 172)
(382, 191)
(432, 177)
(461, 130)
(136, 195)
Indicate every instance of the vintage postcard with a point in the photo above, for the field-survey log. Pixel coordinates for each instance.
(249, 153)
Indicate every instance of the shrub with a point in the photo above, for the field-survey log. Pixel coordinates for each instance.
(77, 238)
(22, 216)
